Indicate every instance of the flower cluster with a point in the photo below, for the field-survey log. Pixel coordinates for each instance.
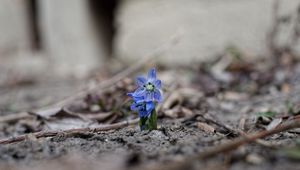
(146, 95)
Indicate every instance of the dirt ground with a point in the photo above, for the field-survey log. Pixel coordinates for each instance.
(202, 109)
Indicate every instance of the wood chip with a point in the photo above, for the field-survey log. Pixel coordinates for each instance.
(254, 159)
(242, 123)
(187, 112)
(274, 123)
(286, 88)
(31, 137)
(235, 96)
(172, 113)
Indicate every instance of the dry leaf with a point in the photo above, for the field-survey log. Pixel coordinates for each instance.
(47, 113)
(89, 116)
(218, 71)
(206, 127)
(172, 113)
(96, 116)
(68, 123)
(171, 100)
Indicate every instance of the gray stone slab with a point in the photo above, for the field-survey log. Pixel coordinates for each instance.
(13, 27)
(70, 39)
(204, 28)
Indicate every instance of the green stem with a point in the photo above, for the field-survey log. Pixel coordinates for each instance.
(142, 123)
(153, 120)
(149, 123)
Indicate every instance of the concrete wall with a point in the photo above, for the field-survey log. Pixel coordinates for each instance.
(70, 38)
(73, 42)
(13, 28)
(204, 28)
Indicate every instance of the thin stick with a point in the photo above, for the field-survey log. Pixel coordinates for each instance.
(250, 138)
(70, 132)
(211, 120)
(14, 117)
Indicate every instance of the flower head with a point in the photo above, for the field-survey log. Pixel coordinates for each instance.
(145, 98)
(149, 88)
(141, 106)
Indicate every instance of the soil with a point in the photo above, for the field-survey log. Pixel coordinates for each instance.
(178, 136)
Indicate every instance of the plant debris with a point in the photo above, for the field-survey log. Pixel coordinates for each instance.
(211, 112)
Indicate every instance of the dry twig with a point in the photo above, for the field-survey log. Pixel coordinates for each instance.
(217, 123)
(227, 147)
(250, 138)
(69, 132)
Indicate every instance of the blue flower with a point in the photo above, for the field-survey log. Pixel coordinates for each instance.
(141, 106)
(145, 97)
(149, 88)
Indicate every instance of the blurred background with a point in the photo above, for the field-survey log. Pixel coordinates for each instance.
(225, 59)
(55, 40)
(74, 37)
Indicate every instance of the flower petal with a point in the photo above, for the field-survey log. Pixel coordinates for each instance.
(133, 107)
(157, 84)
(151, 74)
(149, 106)
(157, 96)
(143, 113)
(140, 81)
(149, 96)
(139, 92)
(139, 99)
